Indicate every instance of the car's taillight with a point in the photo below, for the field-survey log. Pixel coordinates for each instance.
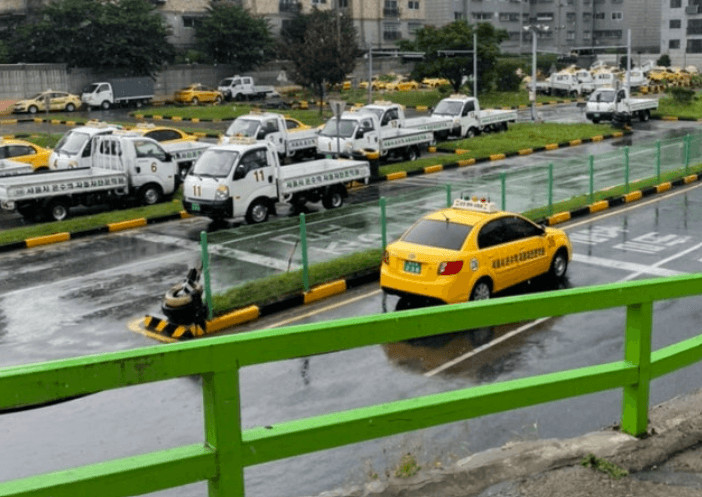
(448, 268)
(386, 257)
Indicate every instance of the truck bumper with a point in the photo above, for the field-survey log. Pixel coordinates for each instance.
(602, 116)
(212, 209)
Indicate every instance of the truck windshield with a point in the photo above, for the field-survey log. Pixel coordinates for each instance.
(439, 234)
(448, 108)
(90, 88)
(378, 112)
(243, 127)
(225, 82)
(603, 96)
(72, 143)
(345, 130)
(215, 163)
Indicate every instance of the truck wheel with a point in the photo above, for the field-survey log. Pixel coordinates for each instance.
(644, 116)
(472, 132)
(333, 199)
(70, 107)
(105, 105)
(411, 154)
(238, 97)
(57, 210)
(150, 194)
(595, 121)
(257, 212)
(32, 109)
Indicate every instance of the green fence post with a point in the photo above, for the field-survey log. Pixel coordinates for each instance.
(592, 179)
(687, 153)
(658, 161)
(221, 409)
(448, 195)
(383, 225)
(206, 272)
(550, 189)
(303, 247)
(637, 351)
(626, 168)
(503, 183)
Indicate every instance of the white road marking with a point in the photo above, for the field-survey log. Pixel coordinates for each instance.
(625, 266)
(665, 261)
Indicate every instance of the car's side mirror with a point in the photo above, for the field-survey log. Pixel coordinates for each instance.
(239, 172)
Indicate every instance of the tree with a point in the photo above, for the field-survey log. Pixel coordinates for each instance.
(231, 35)
(316, 52)
(438, 43)
(663, 61)
(125, 36)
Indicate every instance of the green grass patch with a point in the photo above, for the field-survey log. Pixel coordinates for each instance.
(519, 136)
(89, 221)
(408, 467)
(603, 465)
(668, 106)
(273, 287)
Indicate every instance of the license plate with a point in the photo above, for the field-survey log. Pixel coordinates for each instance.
(195, 207)
(413, 267)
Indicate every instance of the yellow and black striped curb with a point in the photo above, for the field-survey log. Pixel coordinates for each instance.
(608, 203)
(163, 330)
(493, 157)
(107, 228)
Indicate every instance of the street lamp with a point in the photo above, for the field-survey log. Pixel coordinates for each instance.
(534, 28)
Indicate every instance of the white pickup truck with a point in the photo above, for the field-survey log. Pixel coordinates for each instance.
(470, 119)
(609, 104)
(245, 179)
(392, 115)
(360, 135)
(289, 136)
(122, 168)
(243, 88)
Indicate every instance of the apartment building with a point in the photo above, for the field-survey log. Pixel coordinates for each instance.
(570, 23)
(681, 31)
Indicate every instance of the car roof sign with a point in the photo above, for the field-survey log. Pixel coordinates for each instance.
(474, 205)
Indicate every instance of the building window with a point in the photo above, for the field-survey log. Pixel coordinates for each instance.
(694, 26)
(391, 31)
(673, 43)
(544, 16)
(570, 16)
(675, 24)
(587, 35)
(482, 16)
(617, 16)
(587, 16)
(570, 35)
(413, 5)
(599, 15)
(694, 46)
(675, 4)
(514, 35)
(343, 4)
(413, 27)
(458, 16)
(315, 2)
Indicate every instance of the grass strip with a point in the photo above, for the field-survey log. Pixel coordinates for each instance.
(277, 286)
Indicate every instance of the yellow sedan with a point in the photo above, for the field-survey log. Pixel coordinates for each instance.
(198, 93)
(24, 151)
(58, 101)
(470, 251)
(164, 134)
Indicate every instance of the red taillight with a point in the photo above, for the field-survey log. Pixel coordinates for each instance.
(386, 257)
(448, 268)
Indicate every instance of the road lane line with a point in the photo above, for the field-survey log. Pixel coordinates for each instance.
(665, 261)
(491, 343)
(625, 266)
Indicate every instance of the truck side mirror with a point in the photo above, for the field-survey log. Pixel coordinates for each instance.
(261, 134)
(168, 158)
(360, 133)
(239, 172)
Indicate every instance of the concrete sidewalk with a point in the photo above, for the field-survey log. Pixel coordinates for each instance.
(668, 462)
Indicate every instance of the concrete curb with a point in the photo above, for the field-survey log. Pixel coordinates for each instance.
(107, 228)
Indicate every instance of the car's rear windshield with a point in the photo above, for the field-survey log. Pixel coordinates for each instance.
(439, 234)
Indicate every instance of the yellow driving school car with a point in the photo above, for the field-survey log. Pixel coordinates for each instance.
(163, 134)
(198, 93)
(471, 251)
(58, 101)
(24, 151)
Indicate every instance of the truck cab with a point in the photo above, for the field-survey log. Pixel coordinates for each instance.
(355, 131)
(74, 149)
(242, 88)
(389, 114)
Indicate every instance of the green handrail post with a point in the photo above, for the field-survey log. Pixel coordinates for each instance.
(383, 223)
(637, 351)
(550, 189)
(221, 410)
(658, 161)
(503, 183)
(592, 178)
(206, 272)
(448, 195)
(303, 248)
(626, 168)
(687, 153)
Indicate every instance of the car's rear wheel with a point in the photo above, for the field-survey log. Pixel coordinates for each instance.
(57, 210)
(482, 290)
(70, 107)
(195, 101)
(218, 99)
(33, 109)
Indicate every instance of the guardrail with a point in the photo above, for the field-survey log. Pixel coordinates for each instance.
(227, 449)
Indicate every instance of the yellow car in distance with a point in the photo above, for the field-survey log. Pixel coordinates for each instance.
(24, 151)
(198, 93)
(163, 134)
(58, 101)
(435, 82)
(471, 251)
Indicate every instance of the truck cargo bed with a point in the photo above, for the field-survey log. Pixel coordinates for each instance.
(54, 183)
(319, 173)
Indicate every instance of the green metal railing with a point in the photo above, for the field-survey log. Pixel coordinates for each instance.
(227, 449)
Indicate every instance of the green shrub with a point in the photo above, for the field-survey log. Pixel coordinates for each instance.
(663, 60)
(507, 77)
(445, 90)
(681, 94)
